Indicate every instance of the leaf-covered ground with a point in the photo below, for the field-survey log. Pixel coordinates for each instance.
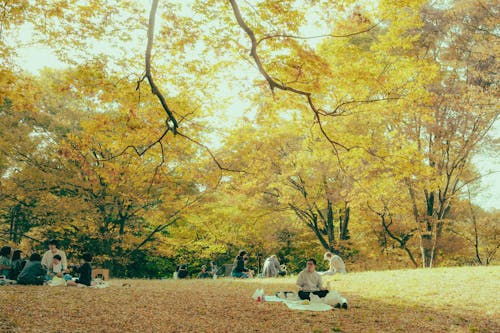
(440, 300)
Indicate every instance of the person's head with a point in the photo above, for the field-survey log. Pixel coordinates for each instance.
(242, 253)
(53, 244)
(57, 259)
(87, 257)
(5, 251)
(311, 264)
(35, 257)
(16, 255)
(328, 256)
(203, 268)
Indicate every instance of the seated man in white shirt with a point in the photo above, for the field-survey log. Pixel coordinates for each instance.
(309, 281)
(48, 257)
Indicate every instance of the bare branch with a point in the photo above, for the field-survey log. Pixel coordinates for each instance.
(154, 88)
(219, 165)
(274, 84)
(317, 36)
(136, 150)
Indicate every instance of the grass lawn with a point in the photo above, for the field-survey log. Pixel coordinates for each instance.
(438, 300)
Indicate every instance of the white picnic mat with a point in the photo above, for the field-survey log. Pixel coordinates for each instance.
(300, 305)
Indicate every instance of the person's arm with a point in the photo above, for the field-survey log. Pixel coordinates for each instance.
(5, 264)
(320, 283)
(45, 260)
(64, 269)
(77, 269)
(64, 262)
(300, 281)
(40, 270)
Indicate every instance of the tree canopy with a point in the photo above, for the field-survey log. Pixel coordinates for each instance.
(182, 131)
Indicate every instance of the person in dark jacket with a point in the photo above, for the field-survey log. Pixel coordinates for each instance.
(5, 261)
(33, 272)
(182, 271)
(17, 265)
(239, 269)
(85, 271)
(204, 274)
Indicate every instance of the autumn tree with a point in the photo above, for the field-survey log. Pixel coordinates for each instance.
(452, 127)
(358, 121)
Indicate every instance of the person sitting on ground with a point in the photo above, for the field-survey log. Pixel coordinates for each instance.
(213, 269)
(239, 269)
(57, 268)
(84, 271)
(272, 267)
(48, 257)
(33, 272)
(309, 281)
(17, 265)
(336, 264)
(204, 274)
(5, 261)
(182, 271)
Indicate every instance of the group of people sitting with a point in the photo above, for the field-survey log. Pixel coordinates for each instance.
(309, 280)
(181, 272)
(38, 270)
(272, 267)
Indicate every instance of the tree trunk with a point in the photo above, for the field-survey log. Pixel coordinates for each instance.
(427, 248)
(344, 224)
(330, 228)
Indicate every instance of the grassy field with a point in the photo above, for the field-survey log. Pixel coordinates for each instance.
(438, 300)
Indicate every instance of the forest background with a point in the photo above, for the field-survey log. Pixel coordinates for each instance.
(185, 131)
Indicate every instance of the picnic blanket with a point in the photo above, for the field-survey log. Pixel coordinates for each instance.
(98, 283)
(300, 304)
(293, 302)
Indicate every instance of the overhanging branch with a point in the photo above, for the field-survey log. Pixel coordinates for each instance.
(172, 122)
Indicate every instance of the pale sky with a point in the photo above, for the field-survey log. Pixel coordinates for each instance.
(34, 58)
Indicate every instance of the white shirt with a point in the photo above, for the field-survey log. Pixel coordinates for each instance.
(309, 281)
(48, 258)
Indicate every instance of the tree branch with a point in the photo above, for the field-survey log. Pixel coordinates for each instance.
(273, 83)
(317, 36)
(154, 88)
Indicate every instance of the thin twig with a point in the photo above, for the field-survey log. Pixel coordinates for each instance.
(317, 36)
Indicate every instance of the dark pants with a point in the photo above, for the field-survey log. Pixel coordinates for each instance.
(33, 281)
(305, 294)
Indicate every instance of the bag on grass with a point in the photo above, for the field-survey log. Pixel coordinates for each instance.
(258, 295)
